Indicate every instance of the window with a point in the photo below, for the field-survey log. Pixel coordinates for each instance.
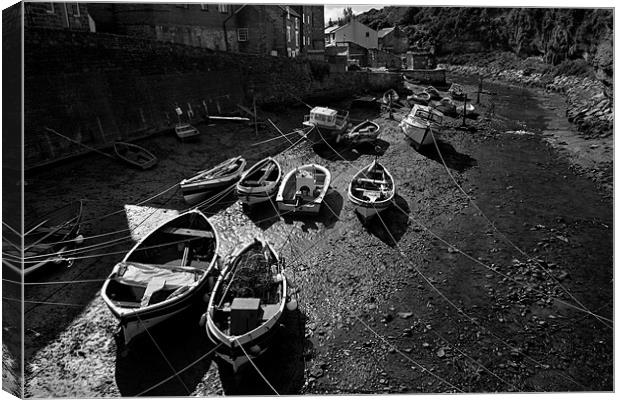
(204, 6)
(288, 13)
(242, 34)
(74, 9)
(296, 38)
(223, 8)
(288, 33)
(367, 34)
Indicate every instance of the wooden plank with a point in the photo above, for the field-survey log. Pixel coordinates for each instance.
(189, 232)
(246, 110)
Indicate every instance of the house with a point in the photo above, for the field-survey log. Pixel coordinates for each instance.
(312, 26)
(393, 40)
(258, 29)
(207, 25)
(73, 16)
(354, 32)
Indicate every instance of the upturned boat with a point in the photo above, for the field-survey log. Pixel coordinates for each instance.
(371, 190)
(206, 182)
(246, 304)
(417, 124)
(260, 183)
(46, 241)
(365, 132)
(163, 274)
(303, 189)
(135, 155)
(185, 131)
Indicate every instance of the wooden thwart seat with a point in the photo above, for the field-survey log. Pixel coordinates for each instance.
(189, 232)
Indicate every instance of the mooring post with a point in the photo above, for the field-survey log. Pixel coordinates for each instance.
(255, 116)
(464, 108)
(479, 88)
(390, 105)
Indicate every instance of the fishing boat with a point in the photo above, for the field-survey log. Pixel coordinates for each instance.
(417, 124)
(371, 190)
(163, 274)
(365, 132)
(332, 122)
(204, 183)
(457, 91)
(46, 241)
(419, 98)
(185, 131)
(433, 93)
(303, 189)
(466, 107)
(246, 304)
(390, 94)
(135, 155)
(446, 106)
(260, 183)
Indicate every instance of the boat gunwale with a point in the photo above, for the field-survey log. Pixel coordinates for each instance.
(126, 312)
(232, 341)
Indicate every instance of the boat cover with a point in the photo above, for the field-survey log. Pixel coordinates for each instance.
(138, 274)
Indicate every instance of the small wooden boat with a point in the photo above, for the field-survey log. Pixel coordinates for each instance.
(419, 98)
(457, 91)
(332, 122)
(390, 93)
(163, 274)
(446, 106)
(246, 304)
(366, 132)
(371, 190)
(135, 155)
(260, 183)
(366, 102)
(433, 93)
(46, 240)
(417, 124)
(184, 131)
(303, 189)
(223, 175)
(466, 107)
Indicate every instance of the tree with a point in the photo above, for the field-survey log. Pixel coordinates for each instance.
(347, 15)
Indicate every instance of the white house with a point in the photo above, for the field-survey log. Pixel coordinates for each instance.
(353, 31)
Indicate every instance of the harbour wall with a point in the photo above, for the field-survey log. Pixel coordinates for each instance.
(95, 88)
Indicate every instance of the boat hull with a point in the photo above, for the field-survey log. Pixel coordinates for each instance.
(136, 316)
(286, 193)
(196, 193)
(235, 349)
(419, 135)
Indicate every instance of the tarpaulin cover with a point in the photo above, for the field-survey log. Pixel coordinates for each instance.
(137, 274)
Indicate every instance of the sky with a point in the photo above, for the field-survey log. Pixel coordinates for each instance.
(334, 11)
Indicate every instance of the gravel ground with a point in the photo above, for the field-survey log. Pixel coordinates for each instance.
(390, 307)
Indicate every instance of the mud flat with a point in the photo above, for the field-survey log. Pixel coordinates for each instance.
(431, 297)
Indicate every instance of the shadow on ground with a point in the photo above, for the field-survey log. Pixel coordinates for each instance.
(391, 224)
(328, 215)
(454, 160)
(263, 215)
(146, 368)
(336, 151)
(282, 365)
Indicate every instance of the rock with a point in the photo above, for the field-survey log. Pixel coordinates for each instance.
(405, 315)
